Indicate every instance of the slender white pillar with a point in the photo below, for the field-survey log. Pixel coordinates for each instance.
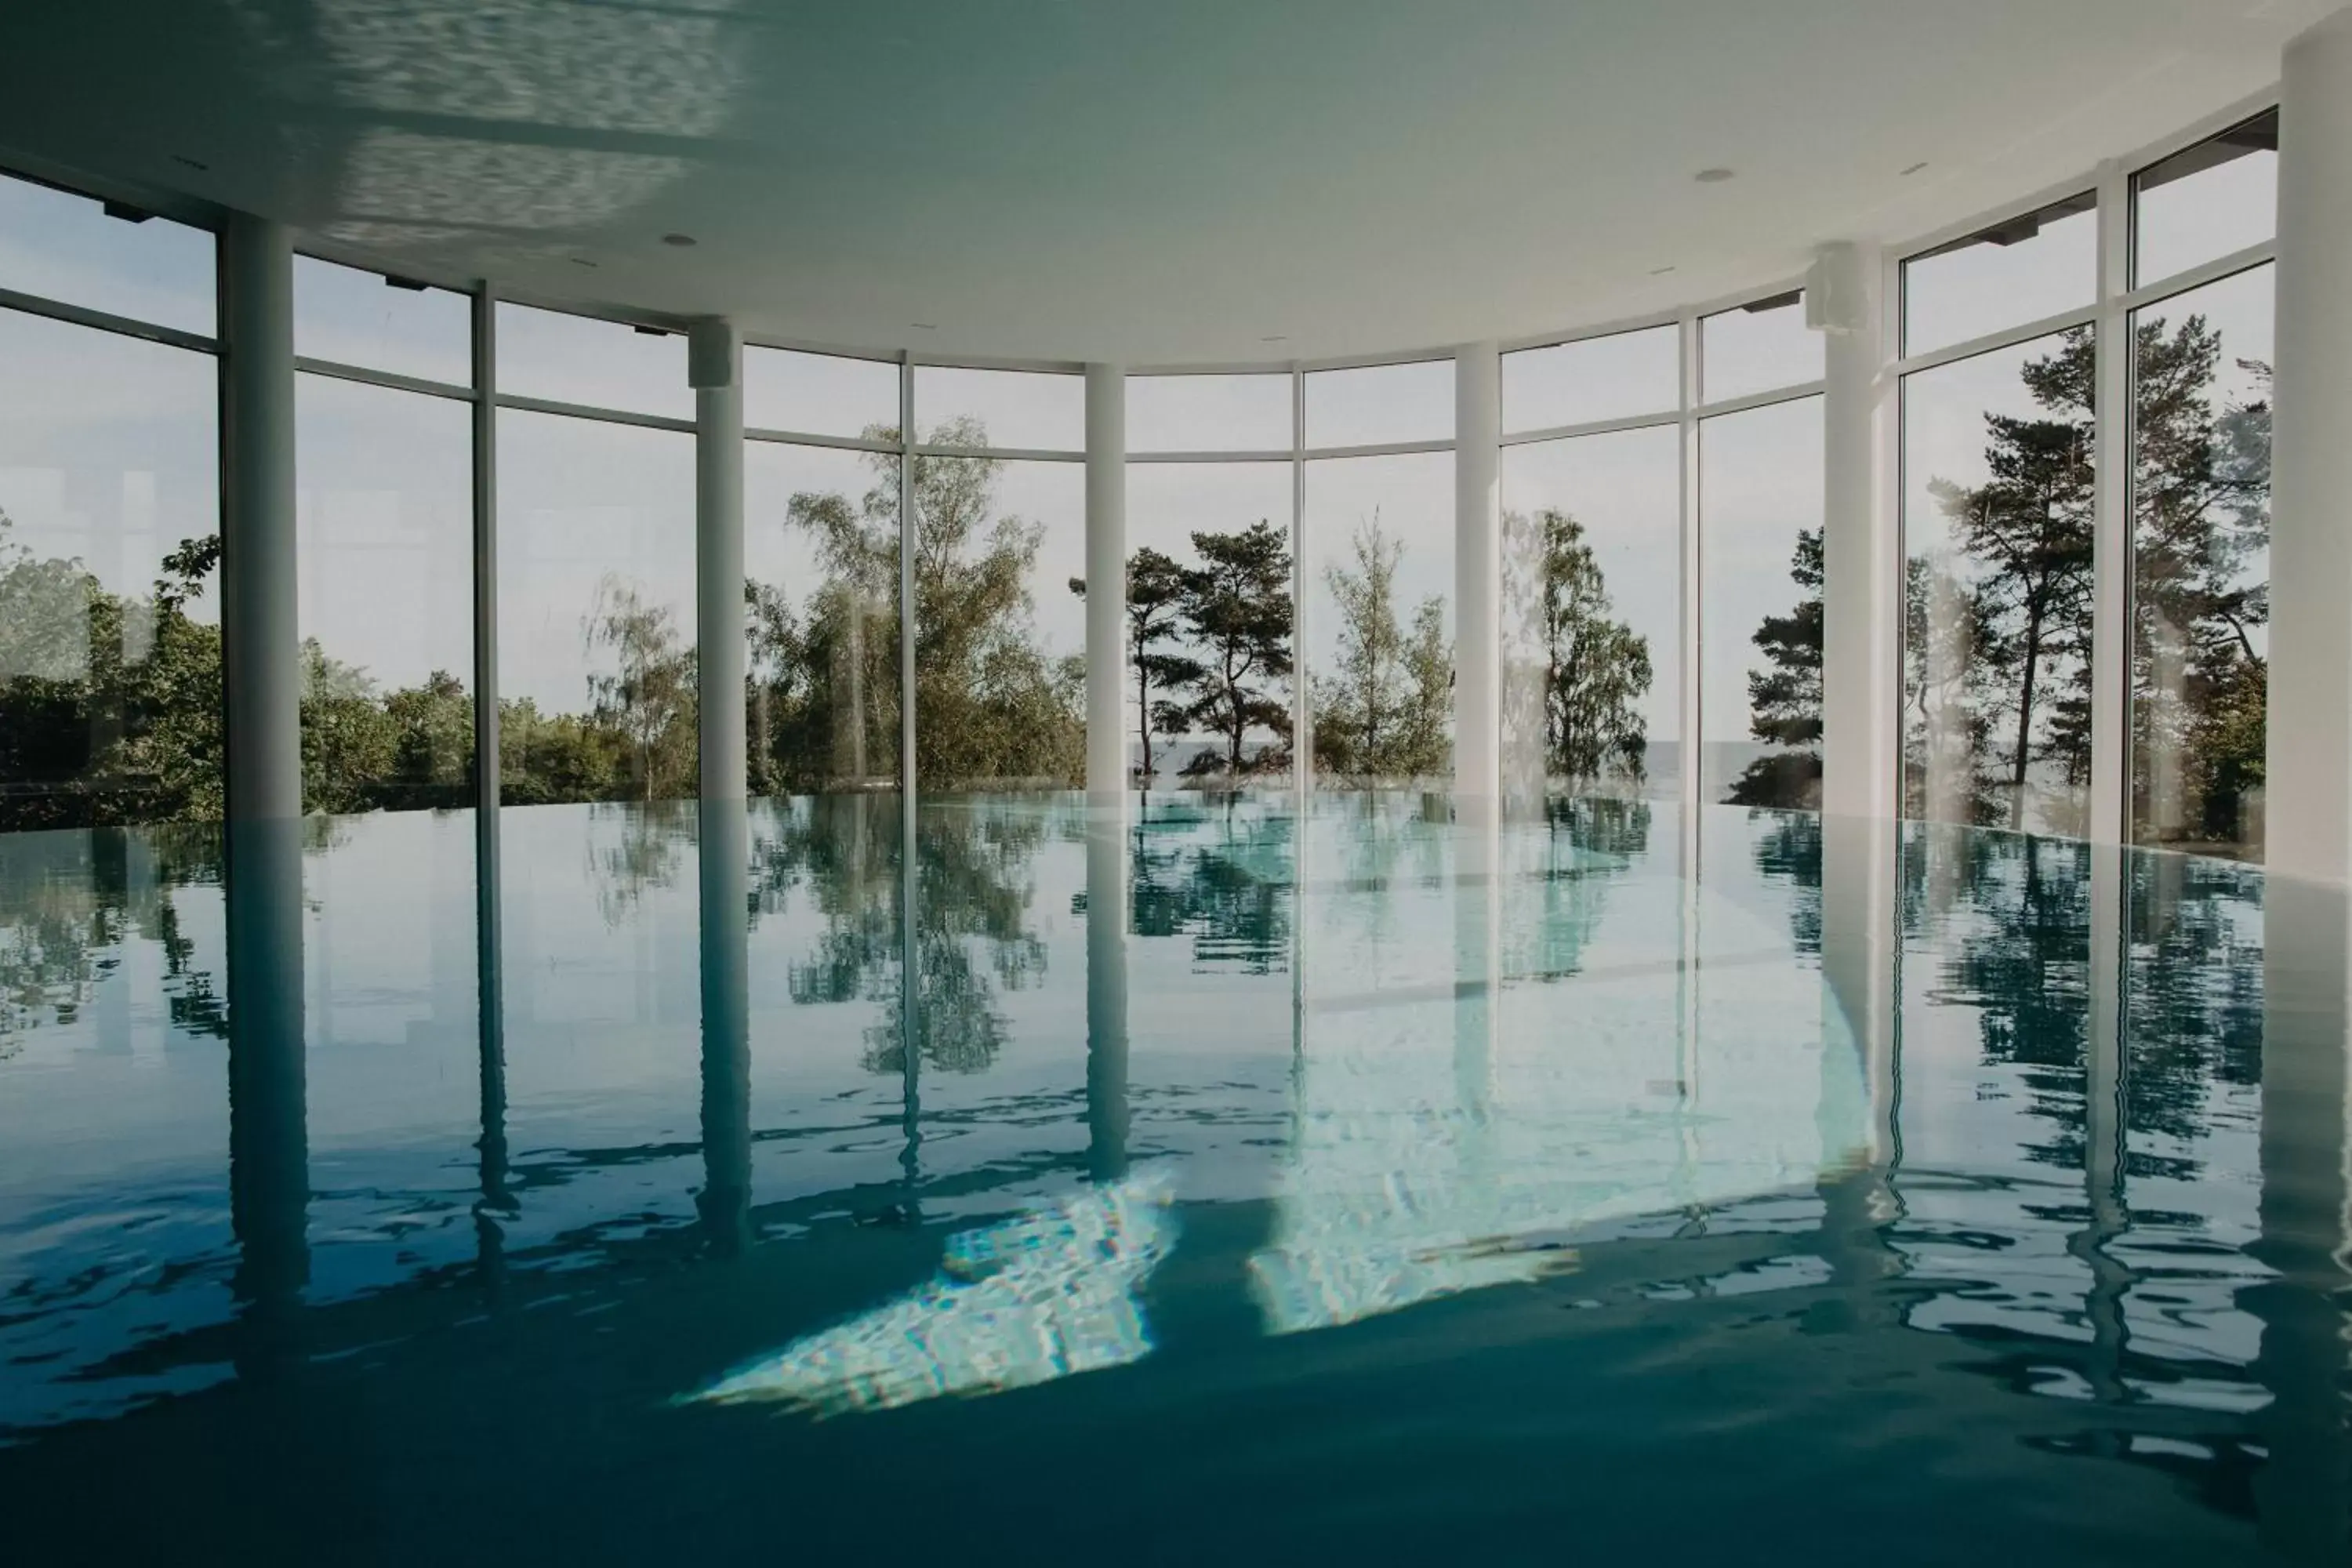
(2308, 789)
(2111, 549)
(1861, 578)
(1478, 577)
(261, 639)
(1107, 778)
(715, 366)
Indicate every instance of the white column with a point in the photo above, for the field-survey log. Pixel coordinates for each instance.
(1861, 577)
(1478, 577)
(261, 639)
(715, 366)
(1106, 779)
(2111, 550)
(2308, 789)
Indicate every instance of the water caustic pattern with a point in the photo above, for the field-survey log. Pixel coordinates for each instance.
(1030, 1184)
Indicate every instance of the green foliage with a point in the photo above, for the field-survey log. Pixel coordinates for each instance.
(1785, 702)
(1385, 711)
(649, 698)
(1583, 672)
(1237, 612)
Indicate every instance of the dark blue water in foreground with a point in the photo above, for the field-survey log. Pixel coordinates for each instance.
(1372, 1188)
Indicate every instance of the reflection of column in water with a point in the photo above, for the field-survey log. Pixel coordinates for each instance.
(1476, 843)
(496, 1201)
(2307, 1137)
(723, 848)
(910, 1003)
(268, 1141)
(2104, 1072)
(1107, 1039)
(1858, 960)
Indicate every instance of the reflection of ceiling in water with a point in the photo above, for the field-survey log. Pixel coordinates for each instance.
(1023, 1301)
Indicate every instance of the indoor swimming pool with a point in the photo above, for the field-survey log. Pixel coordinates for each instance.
(1221, 1178)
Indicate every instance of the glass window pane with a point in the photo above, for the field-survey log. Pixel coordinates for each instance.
(64, 247)
(1997, 514)
(2200, 591)
(1379, 619)
(1016, 410)
(2023, 270)
(1756, 347)
(1761, 596)
(1000, 624)
(1209, 573)
(819, 395)
(1380, 404)
(1615, 377)
(599, 365)
(596, 610)
(1208, 414)
(821, 549)
(2218, 197)
(352, 317)
(385, 499)
(1591, 614)
(109, 609)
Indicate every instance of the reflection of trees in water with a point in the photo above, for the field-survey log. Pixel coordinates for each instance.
(645, 850)
(1218, 870)
(971, 932)
(71, 902)
(1560, 869)
(2006, 922)
(1788, 851)
(2193, 997)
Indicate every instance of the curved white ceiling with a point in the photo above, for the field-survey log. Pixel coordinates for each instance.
(1152, 181)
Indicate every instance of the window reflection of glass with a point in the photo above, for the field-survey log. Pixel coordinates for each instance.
(2201, 541)
(1208, 412)
(1615, 377)
(597, 365)
(386, 548)
(1761, 598)
(2218, 197)
(1758, 346)
(1591, 614)
(59, 245)
(1190, 710)
(1000, 625)
(1997, 520)
(352, 317)
(819, 395)
(1013, 410)
(1378, 586)
(2021, 269)
(821, 551)
(109, 613)
(596, 696)
(1381, 403)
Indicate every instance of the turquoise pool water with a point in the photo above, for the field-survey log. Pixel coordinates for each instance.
(1366, 1186)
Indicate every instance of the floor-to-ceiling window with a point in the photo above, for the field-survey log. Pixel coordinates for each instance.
(596, 586)
(110, 540)
(1999, 502)
(999, 558)
(1759, 552)
(1593, 567)
(2201, 492)
(1210, 581)
(1376, 582)
(821, 561)
(384, 477)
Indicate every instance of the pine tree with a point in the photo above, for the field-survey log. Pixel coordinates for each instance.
(1784, 702)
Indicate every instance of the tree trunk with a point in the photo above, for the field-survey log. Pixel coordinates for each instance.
(2025, 717)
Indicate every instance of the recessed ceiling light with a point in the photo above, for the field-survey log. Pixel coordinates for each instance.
(681, 240)
(1660, 271)
(1712, 177)
(1912, 170)
(582, 261)
(1275, 337)
(924, 326)
(191, 163)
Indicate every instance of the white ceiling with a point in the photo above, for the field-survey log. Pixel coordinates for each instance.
(1152, 181)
